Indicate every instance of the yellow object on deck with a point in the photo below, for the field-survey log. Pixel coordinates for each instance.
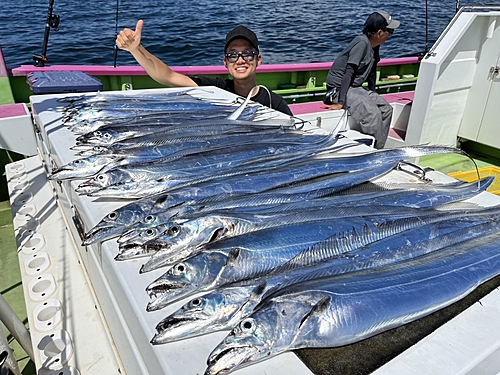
(483, 172)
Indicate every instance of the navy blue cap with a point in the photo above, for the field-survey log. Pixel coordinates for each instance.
(241, 32)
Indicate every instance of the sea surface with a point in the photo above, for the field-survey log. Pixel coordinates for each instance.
(184, 32)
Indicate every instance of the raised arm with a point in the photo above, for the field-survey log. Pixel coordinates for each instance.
(130, 40)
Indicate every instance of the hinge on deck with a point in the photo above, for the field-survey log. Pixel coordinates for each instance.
(80, 227)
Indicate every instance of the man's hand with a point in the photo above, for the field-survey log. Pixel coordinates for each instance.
(335, 106)
(129, 40)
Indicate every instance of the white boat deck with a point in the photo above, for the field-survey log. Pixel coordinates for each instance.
(89, 310)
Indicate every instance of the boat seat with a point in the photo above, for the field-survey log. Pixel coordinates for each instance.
(310, 107)
(401, 102)
(405, 97)
(313, 107)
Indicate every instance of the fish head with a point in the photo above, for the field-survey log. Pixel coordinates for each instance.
(140, 247)
(102, 180)
(114, 223)
(201, 315)
(270, 330)
(161, 232)
(84, 127)
(190, 276)
(84, 149)
(141, 232)
(130, 190)
(131, 250)
(142, 235)
(89, 150)
(200, 231)
(147, 229)
(80, 168)
(102, 137)
(186, 238)
(246, 344)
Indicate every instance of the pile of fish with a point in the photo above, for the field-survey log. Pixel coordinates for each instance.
(283, 228)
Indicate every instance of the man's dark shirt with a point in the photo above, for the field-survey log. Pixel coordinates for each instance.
(356, 64)
(275, 102)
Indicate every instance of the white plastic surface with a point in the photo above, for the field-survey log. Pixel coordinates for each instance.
(26, 212)
(37, 264)
(67, 370)
(35, 243)
(44, 241)
(17, 133)
(56, 350)
(48, 315)
(42, 287)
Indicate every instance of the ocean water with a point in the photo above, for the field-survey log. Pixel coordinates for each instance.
(184, 32)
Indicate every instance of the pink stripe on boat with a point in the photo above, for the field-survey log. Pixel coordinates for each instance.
(12, 110)
(135, 70)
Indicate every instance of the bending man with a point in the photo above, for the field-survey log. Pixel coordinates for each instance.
(241, 58)
(357, 64)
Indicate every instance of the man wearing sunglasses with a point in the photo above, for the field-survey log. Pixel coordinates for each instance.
(357, 64)
(241, 58)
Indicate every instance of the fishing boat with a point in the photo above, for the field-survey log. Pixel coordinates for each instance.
(81, 317)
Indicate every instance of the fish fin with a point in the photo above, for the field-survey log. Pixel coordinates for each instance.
(233, 256)
(258, 292)
(271, 291)
(318, 309)
(256, 296)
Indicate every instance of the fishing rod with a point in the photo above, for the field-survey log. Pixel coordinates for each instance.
(52, 23)
(115, 48)
(426, 27)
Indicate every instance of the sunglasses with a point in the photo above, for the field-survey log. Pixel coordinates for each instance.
(248, 56)
(390, 31)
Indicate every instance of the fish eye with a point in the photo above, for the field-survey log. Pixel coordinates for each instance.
(248, 325)
(107, 135)
(150, 232)
(113, 215)
(179, 269)
(149, 219)
(197, 302)
(98, 132)
(100, 177)
(174, 231)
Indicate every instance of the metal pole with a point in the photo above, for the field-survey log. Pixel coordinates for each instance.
(52, 22)
(12, 322)
(8, 364)
(115, 54)
(426, 26)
